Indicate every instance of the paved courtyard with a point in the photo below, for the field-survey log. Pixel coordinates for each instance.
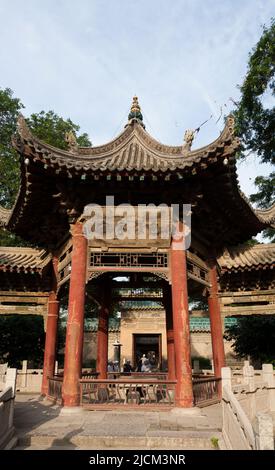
(42, 425)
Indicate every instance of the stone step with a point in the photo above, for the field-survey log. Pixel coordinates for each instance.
(167, 440)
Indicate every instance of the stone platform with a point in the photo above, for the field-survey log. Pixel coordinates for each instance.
(42, 425)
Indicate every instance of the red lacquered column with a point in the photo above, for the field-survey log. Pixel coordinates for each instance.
(51, 331)
(102, 342)
(215, 322)
(75, 324)
(184, 389)
(169, 333)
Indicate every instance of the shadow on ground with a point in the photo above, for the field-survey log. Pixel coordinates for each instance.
(65, 441)
(41, 425)
(32, 411)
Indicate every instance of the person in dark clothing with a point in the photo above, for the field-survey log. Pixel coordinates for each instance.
(127, 368)
(139, 365)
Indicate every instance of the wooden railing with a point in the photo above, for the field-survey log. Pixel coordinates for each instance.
(136, 389)
(90, 375)
(137, 375)
(55, 388)
(127, 391)
(85, 374)
(206, 390)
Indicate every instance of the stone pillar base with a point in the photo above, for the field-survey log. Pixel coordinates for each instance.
(192, 411)
(71, 410)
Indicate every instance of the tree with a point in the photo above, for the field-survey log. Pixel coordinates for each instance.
(47, 126)
(255, 119)
(22, 337)
(265, 197)
(10, 239)
(52, 128)
(9, 162)
(255, 114)
(253, 336)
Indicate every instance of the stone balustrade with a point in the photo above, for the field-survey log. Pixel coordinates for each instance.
(27, 381)
(7, 431)
(248, 407)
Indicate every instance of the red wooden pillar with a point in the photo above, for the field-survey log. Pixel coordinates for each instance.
(215, 322)
(102, 342)
(169, 333)
(51, 331)
(75, 323)
(171, 354)
(184, 389)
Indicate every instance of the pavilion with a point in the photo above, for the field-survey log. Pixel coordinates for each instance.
(50, 211)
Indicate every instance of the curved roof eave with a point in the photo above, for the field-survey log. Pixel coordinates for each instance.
(243, 257)
(267, 216)
(93, 156)
(22, 258)
(162, 158)
(5, 215)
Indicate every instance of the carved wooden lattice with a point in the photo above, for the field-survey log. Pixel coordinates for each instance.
(131, 260)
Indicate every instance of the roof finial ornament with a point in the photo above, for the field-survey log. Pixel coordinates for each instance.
(22, 127)
(70, 138)
(135, 114)
(188, 139)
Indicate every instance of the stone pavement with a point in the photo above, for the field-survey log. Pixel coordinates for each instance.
(42, 425)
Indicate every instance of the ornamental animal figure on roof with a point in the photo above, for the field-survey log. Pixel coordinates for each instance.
(70, 138)
(188, 139)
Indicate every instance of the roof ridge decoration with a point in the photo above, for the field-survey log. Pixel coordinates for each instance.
(133, 152)
(22, 127)
(70, 138)
(135, 114)
(87, 155)
(188, 140)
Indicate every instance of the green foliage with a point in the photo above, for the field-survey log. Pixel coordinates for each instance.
(255, 122)
(255, 115)
(52, 128)
(22, 337)
(9, 239)
(251, 242)
(205, 363)
(265, 197)
(9, 161)
(253, 336)
(47, 126)
(215, 442)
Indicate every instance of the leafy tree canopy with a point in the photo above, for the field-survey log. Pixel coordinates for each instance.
(47, 126)
(22, 337)
(254, 336)
(52, 128)
(9, 166)
(255, 115)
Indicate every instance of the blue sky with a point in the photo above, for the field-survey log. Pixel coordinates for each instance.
(86, 59)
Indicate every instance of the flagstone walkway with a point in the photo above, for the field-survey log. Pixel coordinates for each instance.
(42, 425)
